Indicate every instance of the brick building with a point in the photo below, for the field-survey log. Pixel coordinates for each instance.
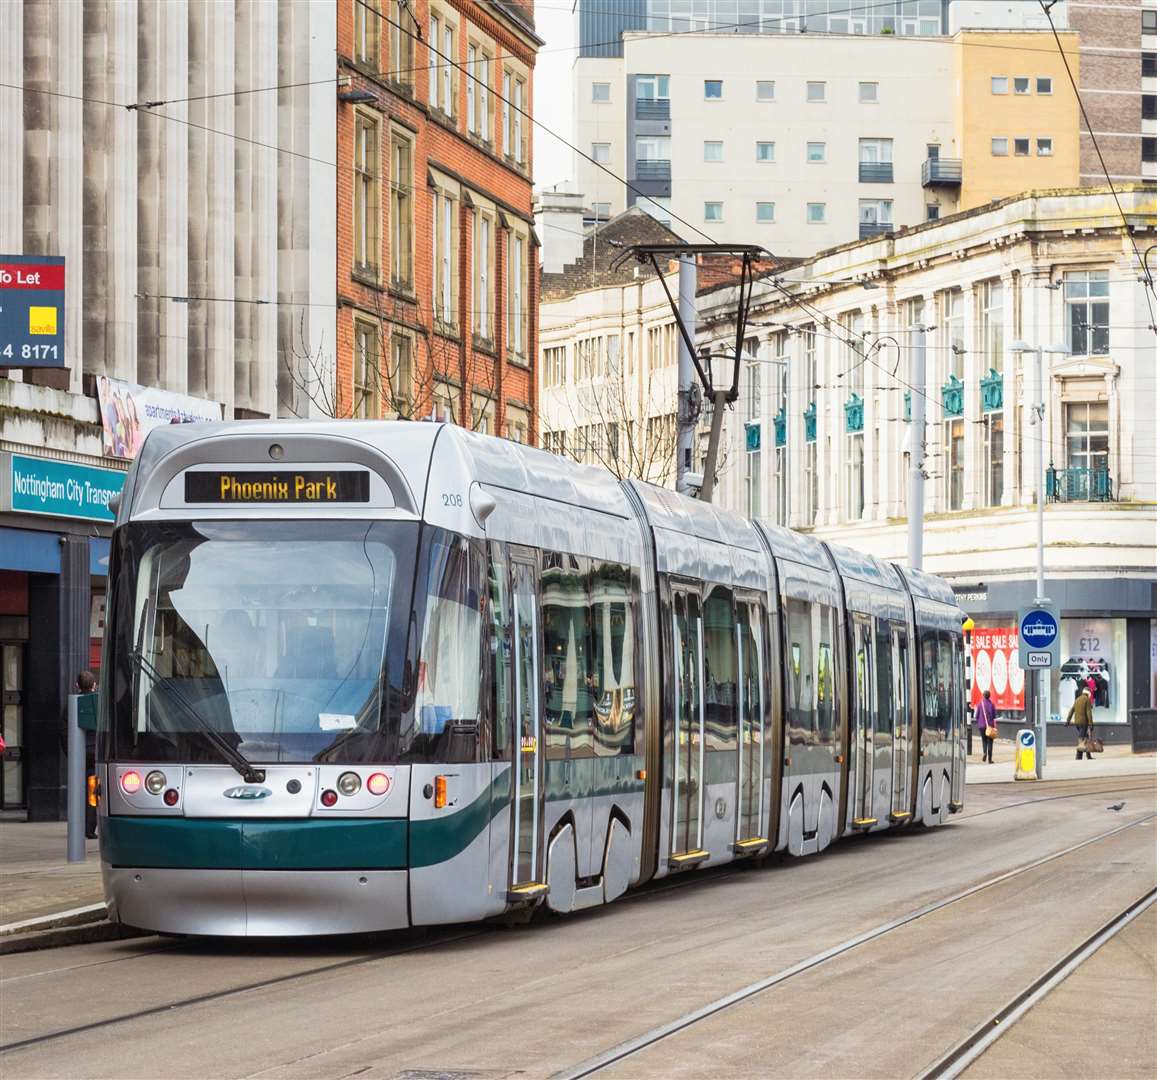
(437, 278)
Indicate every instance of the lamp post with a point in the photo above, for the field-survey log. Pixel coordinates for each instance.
(1037, 418)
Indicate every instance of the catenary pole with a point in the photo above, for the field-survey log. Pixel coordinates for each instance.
(916, 458)
(684, 418)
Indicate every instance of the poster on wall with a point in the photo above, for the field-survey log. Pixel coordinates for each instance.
(1094, 656)
(996, 667)
(129, 412)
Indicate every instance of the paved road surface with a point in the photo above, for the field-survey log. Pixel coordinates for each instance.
(538, 1000)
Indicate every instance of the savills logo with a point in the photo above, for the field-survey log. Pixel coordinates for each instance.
(248, 793)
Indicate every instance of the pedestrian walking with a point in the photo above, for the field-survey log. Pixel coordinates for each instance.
(86, 684)
(986, 722)
(1081, 713)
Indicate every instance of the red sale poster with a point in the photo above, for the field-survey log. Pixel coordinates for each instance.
(996, 667)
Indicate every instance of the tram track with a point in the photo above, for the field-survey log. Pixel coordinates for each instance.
(668, 885)
(631, 1047)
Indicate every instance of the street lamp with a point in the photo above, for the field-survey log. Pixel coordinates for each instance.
(1037, 417)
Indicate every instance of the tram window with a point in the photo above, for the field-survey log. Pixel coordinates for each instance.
(937, 680)
(612, 652)
(501, 653)
(826, 714)
(885, 699)
(801, 695)
(448, 697)
(750, 621)
(719, 670)
(568, 686)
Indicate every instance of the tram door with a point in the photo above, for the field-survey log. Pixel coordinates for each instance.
(527, 826)
(902, 741)
(865, 749)
(687, 793)
(959, 753)
(752, 744)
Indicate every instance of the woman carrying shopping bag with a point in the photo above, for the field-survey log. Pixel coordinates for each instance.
(1081, 711)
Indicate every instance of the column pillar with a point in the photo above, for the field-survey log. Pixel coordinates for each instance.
(11, 124)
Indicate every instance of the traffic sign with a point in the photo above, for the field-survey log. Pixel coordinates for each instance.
(1039, 633)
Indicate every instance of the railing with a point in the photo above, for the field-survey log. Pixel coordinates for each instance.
(652, 170)
(1079, 484)
(941, 171)
(875, 172)
(652, 108)
(874, 228)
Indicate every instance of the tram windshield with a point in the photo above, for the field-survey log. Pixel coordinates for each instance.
(287, 639)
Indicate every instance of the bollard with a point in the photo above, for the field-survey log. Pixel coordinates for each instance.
(77, 782)
(1025, 755)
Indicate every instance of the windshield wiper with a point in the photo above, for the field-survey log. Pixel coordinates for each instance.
(231, 754)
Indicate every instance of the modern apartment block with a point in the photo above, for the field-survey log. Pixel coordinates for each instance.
(802, 141)
(437, 261)
(195, 219)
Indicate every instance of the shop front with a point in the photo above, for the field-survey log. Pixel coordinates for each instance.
(1107, 645)
(55, 521)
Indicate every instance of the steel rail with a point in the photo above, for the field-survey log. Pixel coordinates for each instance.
(641, 1042)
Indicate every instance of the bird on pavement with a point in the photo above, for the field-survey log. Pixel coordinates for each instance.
(1116, 806)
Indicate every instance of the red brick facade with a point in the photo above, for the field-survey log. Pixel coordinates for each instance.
(465, 357)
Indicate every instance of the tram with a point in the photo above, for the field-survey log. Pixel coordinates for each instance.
(361, 676)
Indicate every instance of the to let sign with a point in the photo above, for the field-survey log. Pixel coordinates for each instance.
(31, 311)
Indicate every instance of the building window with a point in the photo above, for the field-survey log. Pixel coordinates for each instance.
(875, 161)
(855, 477)
(1000, 147)
(993, 431)
(817, 151)
(765, 212)
(445, 403)
(1044, 148)
(1149, 65)
(601, 93)
(482, 414)
(1020, 147)
(811, 486)
(1087, 300)
(1148, 148)
(519, 147)
(817, 213)
(876, 212)
(713, 211)
(931, 212)
(1149, 21)
(601, 211)
(652, 88)
(954, 465)
(471, 102)
(1000, 84)
(751, 483)
(1044, 85)
(401, 45)
(554, 365)
(764, 90)
(507, 117)
(365, 404)
(817, 92)
(1021, 84)
(658, 207)
(712, 151)
(402, 212)
(484, 275)
(601, 152)
(367, 34)
(367, 186)
(432, 50)
(517, 424)
(952, 312)
(1087, 435)
(448, 55)
(402, 374)
(1149, 106)
(992, 323)
(869, 93)
(765, 151)
(712, 89)
(516, 294)
(444, 256)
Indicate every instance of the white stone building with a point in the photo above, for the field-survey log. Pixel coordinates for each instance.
(193, 202)
(820, 442)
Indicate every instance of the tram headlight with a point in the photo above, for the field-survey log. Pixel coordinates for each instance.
(155, 782)
(349, 783)
(131, 782)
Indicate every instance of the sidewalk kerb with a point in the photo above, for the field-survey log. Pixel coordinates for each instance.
(71, 917)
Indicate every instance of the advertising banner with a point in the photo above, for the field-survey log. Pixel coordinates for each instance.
(61, 488)
(129, 412)
(996, 667)
(31, 311)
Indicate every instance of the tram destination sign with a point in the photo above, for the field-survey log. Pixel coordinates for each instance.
(278, 486)
(1039, 628)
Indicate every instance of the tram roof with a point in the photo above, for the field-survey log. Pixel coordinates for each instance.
(857, 564)
(667, 509)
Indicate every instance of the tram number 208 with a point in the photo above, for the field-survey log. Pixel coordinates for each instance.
(451, 499)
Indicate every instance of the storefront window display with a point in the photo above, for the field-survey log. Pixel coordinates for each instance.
(1093, 654)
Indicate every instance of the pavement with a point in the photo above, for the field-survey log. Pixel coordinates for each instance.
(1060, 763)
(528, 1002)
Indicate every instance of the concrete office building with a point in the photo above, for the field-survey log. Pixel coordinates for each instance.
(198, 233)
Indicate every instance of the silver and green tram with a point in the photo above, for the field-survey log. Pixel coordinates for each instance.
(362, 676)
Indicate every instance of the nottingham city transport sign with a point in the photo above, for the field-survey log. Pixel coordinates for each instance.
(31, 311)
(34, 485)
(1040, 637)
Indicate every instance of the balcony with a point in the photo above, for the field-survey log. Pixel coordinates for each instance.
(942, 172)
(652, 108)
(1079, 485)
(868, 229)
(875, 172)
(653, 170)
